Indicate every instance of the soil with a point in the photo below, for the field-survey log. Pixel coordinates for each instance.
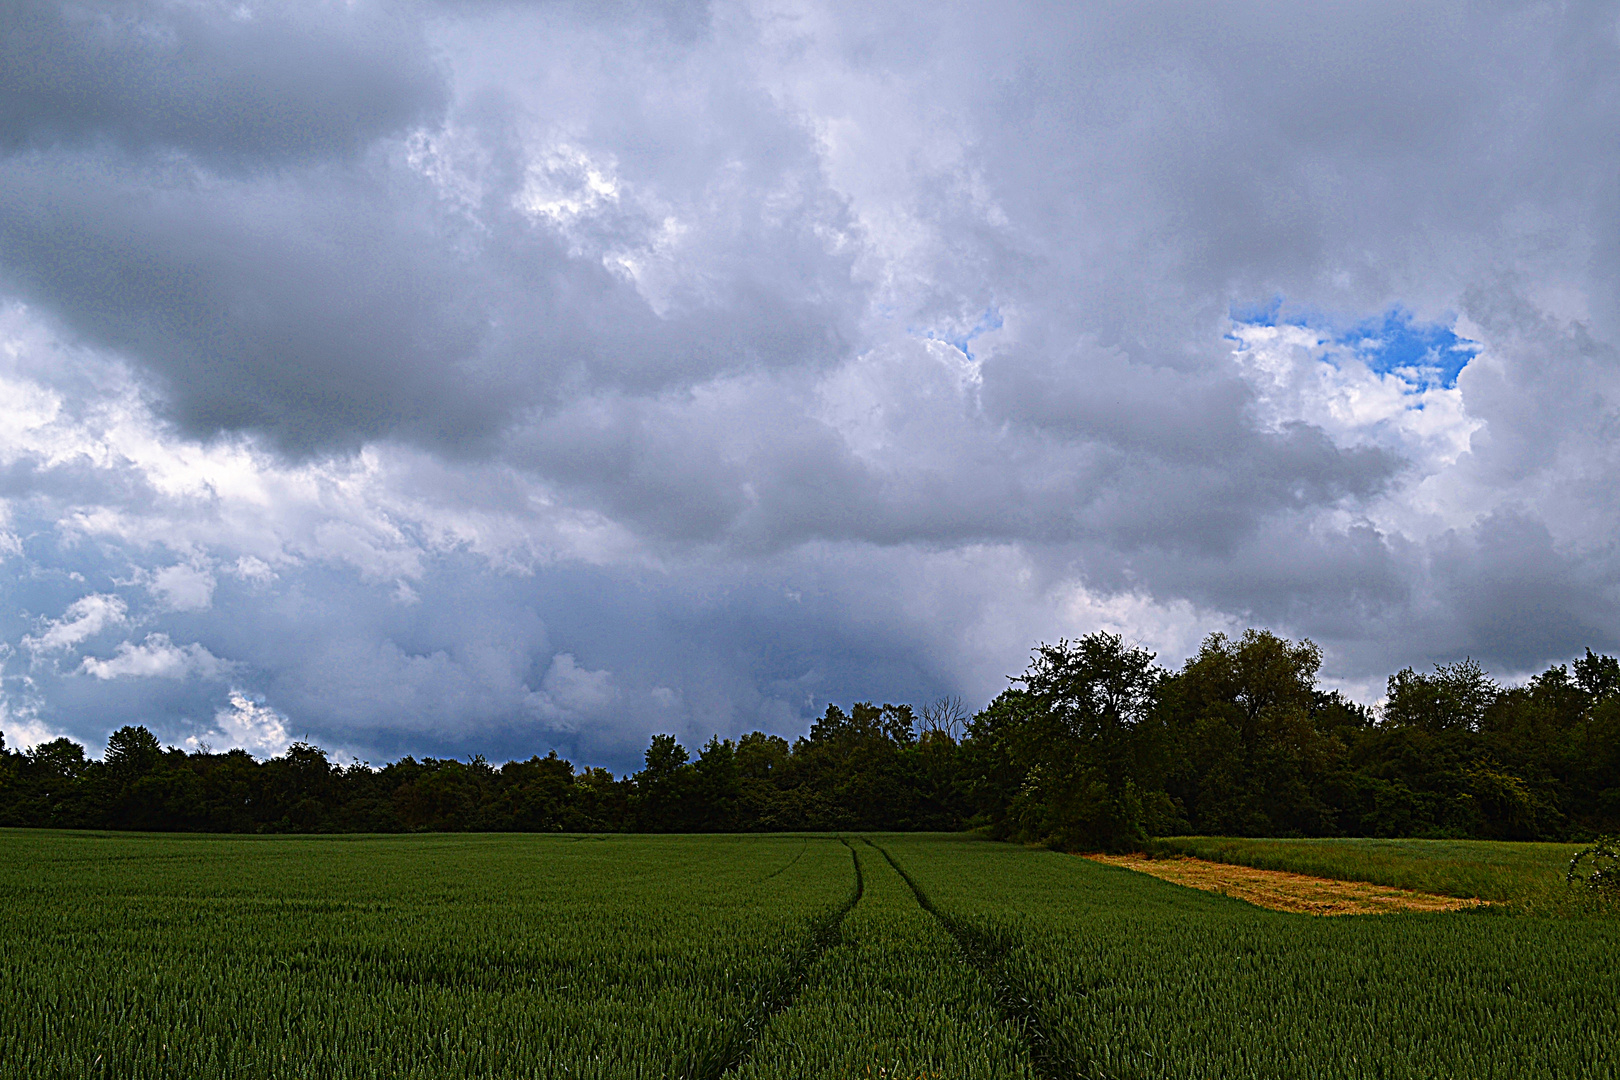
(1283, 891)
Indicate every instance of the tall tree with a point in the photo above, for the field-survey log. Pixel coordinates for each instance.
(1068, 741)
(1251, 758)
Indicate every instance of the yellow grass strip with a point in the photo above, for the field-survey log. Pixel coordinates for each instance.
(1283, 891)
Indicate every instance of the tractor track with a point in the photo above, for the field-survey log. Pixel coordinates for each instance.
(986, 952)
(779, 996)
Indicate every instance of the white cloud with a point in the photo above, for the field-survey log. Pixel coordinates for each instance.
(252, 569)
(571, 694)
(564, 183)
(184, 587)
(1171, 630)
(382, 511)
(22, 725)
(578, 689)
(1298, 375)
(248, 724)
(157, 657)
(83, 619)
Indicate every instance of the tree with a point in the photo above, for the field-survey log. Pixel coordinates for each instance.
(537, 795)
(1095, 687)
(1072, 738)
(1003, 744)
(716, 787)
(1597, 675)
(663, 787)
(1454, 698)
(132, 752)
(945, 716)
(1259, 674)
(771, 797)
(299, 786)
(61, 759)
(664, 757)
(1250, 758)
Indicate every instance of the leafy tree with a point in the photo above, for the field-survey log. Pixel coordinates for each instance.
(1251, 758)
(132, 752)
(298, 787)
(539, 795)
(61, 759)
(1097, 689)
(1598, 676)
(604, 800)
(1068, 741)
(1508, 807)
(1454, 698)
(1005, 742)
(716, 787)
(663, 787)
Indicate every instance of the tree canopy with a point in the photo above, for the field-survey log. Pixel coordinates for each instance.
(1093, 746)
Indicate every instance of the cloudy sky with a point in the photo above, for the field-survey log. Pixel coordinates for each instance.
(485, 377)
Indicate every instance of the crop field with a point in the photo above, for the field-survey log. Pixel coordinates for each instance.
(1529, 877)
(1125, 975)
(894, 956)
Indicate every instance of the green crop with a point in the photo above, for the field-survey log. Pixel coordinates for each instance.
(892, 999)
(715, 957)
(1528, 877)
(1125, 975)
(413, 956)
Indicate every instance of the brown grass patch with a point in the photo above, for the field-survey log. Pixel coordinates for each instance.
(1283, 891)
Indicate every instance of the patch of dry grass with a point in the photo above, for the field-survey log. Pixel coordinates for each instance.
(1283, 891)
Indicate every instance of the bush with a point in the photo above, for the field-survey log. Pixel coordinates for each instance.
(1598, 866)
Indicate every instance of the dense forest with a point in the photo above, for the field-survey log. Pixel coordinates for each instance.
(1094, 746)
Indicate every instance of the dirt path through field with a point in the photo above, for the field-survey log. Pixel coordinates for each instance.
(1283, 891)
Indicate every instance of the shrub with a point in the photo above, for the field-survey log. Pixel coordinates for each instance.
(1598, 866)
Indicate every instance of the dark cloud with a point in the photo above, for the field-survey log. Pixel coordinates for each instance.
(235, 85)
(1517, 599)
(330, 310)
(473, 375)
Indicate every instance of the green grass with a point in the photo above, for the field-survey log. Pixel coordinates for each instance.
(914, 957)
(429, 956)
(893, 999)
(1530, 877)
(1126, 975)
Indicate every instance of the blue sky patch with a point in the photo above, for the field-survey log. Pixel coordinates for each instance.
(1427, 354)
(1430, 353)
(990, 320)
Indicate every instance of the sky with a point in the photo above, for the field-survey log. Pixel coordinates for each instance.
(481, 377)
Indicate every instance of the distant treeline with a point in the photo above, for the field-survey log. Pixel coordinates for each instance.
(1094, 746)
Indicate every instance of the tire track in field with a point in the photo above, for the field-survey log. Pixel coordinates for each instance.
(986, 952)
(804, 847)
(779, 995)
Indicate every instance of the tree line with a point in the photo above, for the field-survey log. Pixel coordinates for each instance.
(1093, 746)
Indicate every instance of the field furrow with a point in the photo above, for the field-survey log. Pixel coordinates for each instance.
(825, 933)
(986, 950)
(495, 956)
(750, 958)
(1127, 975)
(892, 999)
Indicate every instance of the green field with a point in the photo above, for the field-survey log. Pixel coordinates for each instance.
(1526, 877)
(766, 956)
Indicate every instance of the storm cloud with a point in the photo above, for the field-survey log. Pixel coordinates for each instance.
(483, 377)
